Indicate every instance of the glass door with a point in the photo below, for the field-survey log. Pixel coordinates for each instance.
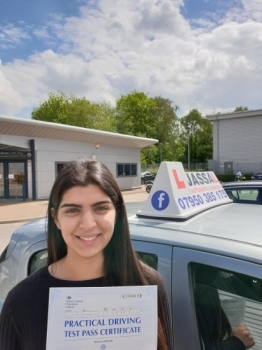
(15, 179)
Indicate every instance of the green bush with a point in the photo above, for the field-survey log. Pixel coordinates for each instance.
(225, 177)
(153, 170)
(248, 176)
(231, 177)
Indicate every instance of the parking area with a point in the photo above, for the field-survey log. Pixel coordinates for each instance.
(12, 211)
(16, 212)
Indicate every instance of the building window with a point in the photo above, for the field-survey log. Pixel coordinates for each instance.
(126, 169)
(59, 166)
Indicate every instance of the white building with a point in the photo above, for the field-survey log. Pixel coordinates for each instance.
(32, 152)
(237, 141)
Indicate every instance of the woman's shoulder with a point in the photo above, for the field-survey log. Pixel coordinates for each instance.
(32, 282)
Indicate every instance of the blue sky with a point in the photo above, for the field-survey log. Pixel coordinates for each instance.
(206, 9)
(203, 54)
(33, 20)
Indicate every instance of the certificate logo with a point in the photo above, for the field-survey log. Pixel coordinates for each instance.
(103, 347)
(160, 200)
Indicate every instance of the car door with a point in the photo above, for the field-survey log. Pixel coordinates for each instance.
(158, 256)
(241, 290)
(162, 255)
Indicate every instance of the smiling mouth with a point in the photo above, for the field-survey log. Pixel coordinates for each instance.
(88, 239)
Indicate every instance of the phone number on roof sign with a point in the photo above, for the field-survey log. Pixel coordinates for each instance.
(201, 199)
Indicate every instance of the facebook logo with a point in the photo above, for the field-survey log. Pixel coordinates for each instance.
(160, 200)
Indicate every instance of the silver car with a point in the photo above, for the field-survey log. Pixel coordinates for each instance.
(247, 192)
(210, 258)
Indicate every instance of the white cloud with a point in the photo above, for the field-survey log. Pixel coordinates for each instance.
(11, 36)
(41, 32)
(122, 45)
(253, 9)
(10, 99)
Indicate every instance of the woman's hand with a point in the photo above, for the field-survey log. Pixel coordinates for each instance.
(244, 335)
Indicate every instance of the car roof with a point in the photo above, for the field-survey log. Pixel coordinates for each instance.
(28, 234)
(230, 229)
(249, 183)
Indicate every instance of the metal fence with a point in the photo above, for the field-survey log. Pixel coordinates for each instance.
(193, 167)
(233, 167)
(217, 167)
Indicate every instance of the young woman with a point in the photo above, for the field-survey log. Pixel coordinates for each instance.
(89, 245)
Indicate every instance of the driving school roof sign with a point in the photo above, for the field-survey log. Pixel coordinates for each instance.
(180, 195)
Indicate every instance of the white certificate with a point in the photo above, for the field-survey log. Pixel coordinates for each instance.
(102, 318)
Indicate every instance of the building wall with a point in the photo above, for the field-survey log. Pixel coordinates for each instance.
(238, 140)
(49, 152)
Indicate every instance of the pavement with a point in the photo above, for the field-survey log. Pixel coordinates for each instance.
(17, 210)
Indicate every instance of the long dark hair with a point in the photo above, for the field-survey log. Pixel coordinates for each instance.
(122, 266)
(213, 323)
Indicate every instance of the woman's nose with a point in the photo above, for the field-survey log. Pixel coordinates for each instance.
(87, 220)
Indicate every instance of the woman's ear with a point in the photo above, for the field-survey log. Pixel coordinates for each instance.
(53, 214)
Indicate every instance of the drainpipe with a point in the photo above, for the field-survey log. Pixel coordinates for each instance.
(32, 148)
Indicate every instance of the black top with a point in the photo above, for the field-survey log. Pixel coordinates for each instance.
(23, 320)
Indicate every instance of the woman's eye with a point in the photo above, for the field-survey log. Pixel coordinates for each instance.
(72, 210)
(101, 208)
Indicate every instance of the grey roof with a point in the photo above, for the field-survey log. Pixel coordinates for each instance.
(35, 128)
(233, 115)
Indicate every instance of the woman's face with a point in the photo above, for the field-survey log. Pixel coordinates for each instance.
(86, 217)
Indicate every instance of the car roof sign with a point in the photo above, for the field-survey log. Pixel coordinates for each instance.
(177, 194)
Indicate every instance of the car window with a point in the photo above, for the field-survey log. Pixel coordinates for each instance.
(244, 195)
(39, 260)
(223, 300)
(3, 255)
(149, 259)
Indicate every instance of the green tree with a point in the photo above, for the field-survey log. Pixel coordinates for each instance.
(134, 115)
(54, 109)
(240, 109)
(68, 109)
(167, 129)
(149, 155)
(140, 115)
(200, 137)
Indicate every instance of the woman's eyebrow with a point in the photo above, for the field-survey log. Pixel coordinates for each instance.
(101, 202)
(65, 205)
(71, 205)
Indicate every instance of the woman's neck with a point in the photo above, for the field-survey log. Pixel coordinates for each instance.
(77, 269)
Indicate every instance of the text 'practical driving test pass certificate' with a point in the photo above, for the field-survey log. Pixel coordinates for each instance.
(103, 318)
